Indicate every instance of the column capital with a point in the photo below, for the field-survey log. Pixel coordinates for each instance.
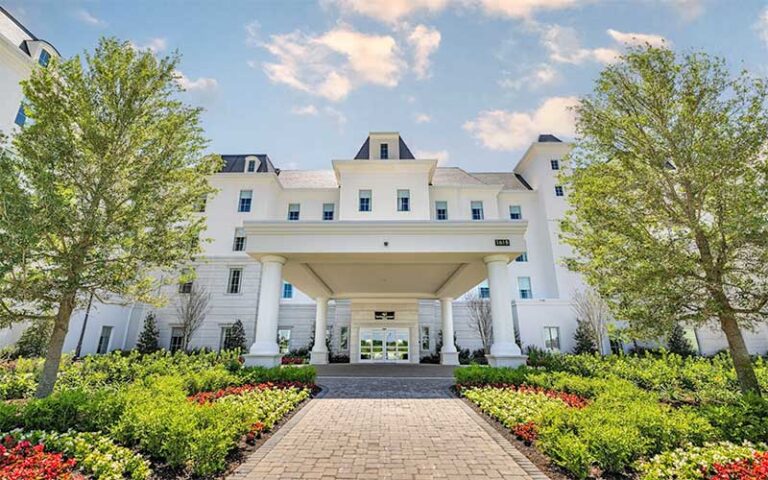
(446, 299)
(322, 299)
(496, 258)
(273, 259)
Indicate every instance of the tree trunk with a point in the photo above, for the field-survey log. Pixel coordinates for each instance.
(739, 353)
(55, 346)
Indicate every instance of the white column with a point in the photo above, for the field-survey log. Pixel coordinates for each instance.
(448, 354)
(504, 350)
(265, 352)
(319, 354)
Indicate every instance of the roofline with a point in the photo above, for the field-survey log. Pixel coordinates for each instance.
(27, 31)
(534, 145)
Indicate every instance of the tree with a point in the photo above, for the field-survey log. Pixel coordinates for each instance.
(150, 336)
(590, 308)
(480, 320)
(34, 340)
(678, 343)
(584, 338)
(668, 189)
(99, 194)
(235, 338)
(192, 310)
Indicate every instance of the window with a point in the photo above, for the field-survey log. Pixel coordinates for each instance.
(441, 210)
(383, 315)
(239, 244)
(287, 290)
(523, 257)
(552, 339)
(177, 339)
(425, 338)
(245, 201)
(201, 203)
(106, 334)
(185, 287)
(344, 338)
(21, 116)
(284, 339)
(235, 279)
(403, 200)
(365, 200)
(251, 165)
(226, 332)
(485, 292)
(384, 151)
(515, 212)
(555, 164)
(44, 58)
(524, 286)
(558, 191)
(328, 211)
(477, 210)
(293, 211)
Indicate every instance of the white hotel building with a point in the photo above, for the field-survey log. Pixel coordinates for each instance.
(375, 254)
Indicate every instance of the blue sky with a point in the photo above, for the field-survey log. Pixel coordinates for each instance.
(469, 81)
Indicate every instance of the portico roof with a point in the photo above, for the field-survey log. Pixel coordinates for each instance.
(385, 259)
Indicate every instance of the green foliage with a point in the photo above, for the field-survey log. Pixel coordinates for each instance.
(76, 409)
(745, 419)
(693, 462)
(584, 338)
(149, 338)
(34, 341)
(302, 374)
(678, 343)
(235, 339)
(478, 374)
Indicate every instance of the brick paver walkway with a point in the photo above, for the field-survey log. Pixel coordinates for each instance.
(394, 428)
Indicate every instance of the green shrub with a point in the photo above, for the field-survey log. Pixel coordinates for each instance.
(570, 453)
(745, 419)
(278, 374)
(480, 374)
(75, 409)
(17, 385)
(9, 416)
(34, 341)
(693, 463)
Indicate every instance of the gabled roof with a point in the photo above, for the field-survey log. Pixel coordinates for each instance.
(365, 151)
(237, 163)
(453, 176)
(548, 138)
(449, 176)
(405, 152)
(511, 181)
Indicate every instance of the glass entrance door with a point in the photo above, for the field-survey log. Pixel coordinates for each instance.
(384, 345)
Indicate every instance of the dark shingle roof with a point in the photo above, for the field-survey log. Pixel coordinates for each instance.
(405, 152)
(511, 181)
(237, 163)
(364, 152)
(548, 138)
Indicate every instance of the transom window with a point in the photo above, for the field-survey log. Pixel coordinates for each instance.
(555, 164)
(524, 286)
(383, 315)
(251, 165)
(477, 210)
(284, 339)
(287, 290)
(21, 116)
(293, 211)
(384, 151)
(177, 339)
(552, 339)
(523, 257)
(106, 335)
(245, 201)
(44, 58)
(239, 243)
(515, 212)
(328, 211)
(235, 280)
(403, 200)
(441, 210)
(559, 191)
(365, 200)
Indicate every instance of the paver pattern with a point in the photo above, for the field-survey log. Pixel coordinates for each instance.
(391, 428)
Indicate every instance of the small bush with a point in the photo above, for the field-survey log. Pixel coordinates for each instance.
(481, 375)
(76, 409)
(278, 374)
(745, 419)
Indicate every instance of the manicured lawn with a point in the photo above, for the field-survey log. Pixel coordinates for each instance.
(129, 415)
(650, 417)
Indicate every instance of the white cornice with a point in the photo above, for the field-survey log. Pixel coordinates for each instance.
(418, 227)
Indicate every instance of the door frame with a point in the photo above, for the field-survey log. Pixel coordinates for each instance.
(385, 331)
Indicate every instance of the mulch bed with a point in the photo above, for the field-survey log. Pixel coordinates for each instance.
(536, 457)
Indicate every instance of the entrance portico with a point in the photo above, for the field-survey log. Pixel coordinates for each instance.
(384, 268)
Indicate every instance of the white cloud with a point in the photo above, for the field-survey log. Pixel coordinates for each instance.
(638, 39)
(564, 46)
(688, 9)
(424, 41)
(423, 118)
(253, 33)
(337, 116)
(387, 11)
(305, 110)
(332, 64)
(543, 74)
(762, 26)
(505, 130)
(440, 155)
(86, 17)
(154, 45)
(522, 9)
(201, 84)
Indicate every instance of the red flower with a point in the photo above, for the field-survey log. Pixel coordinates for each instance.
(24, 461)
(569, 399)
(527, 432)
(755, 468)
(206, 397)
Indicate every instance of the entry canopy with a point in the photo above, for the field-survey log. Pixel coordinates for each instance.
(385, 259)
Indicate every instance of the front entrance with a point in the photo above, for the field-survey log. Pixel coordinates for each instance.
(384, 345)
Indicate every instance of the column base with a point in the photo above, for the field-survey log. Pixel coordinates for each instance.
(318, 358)
(262, 360)
(513, 361)
(449, 358)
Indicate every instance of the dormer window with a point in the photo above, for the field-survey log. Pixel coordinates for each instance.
(555, 164)
(44, 58)
(384, 151)
(251, 165)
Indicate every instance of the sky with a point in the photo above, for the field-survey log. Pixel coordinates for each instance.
(469, 82)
